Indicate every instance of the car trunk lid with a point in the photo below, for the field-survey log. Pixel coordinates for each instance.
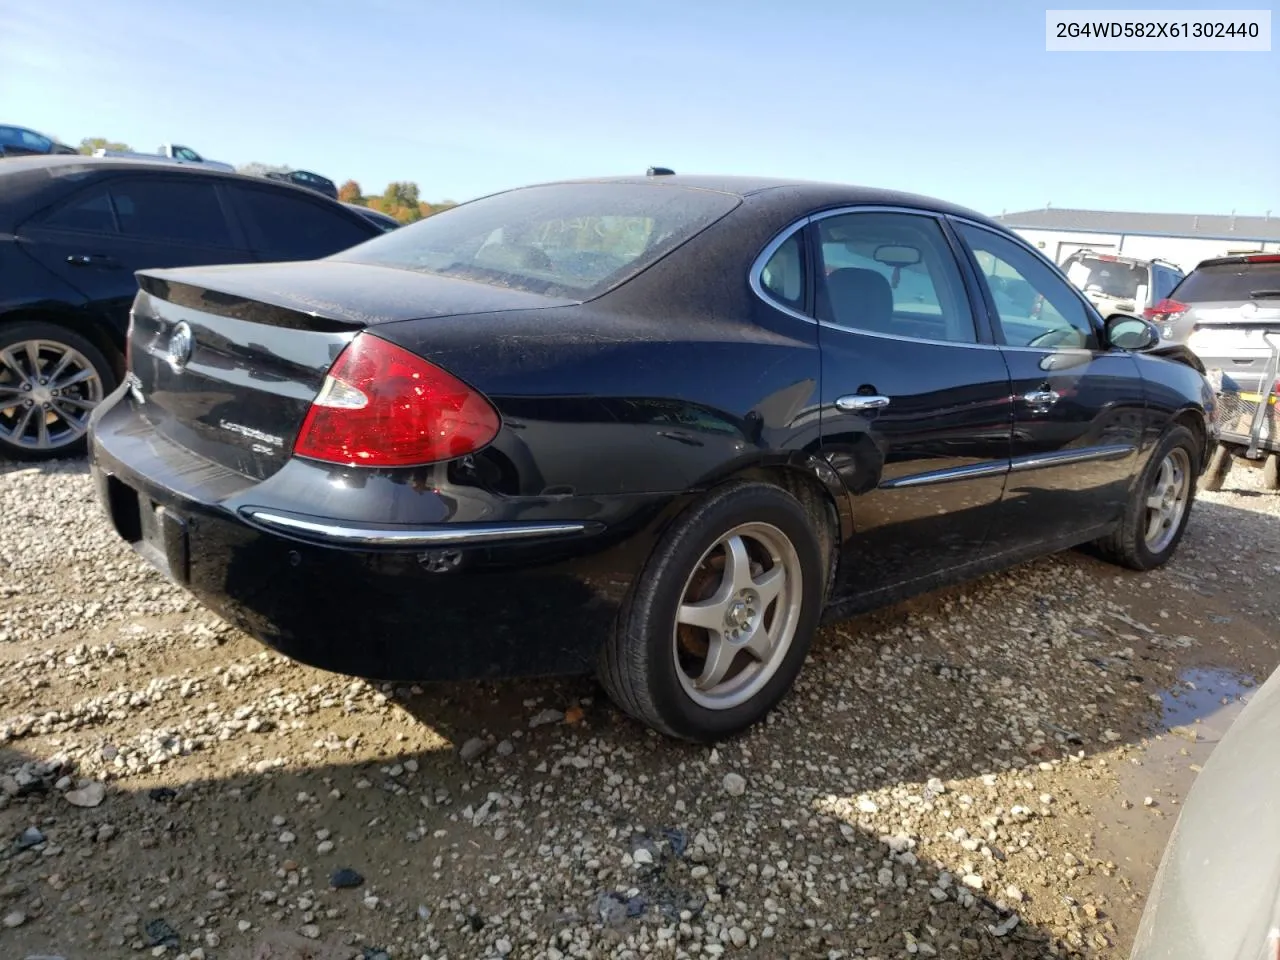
(227, 361)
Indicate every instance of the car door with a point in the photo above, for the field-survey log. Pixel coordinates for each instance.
(98, 237)
(283, 223)
(1078, 408)
(915, 406)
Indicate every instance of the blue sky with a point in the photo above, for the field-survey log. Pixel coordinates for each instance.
(953, 99)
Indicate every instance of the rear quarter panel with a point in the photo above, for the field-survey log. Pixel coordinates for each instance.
(598, 404)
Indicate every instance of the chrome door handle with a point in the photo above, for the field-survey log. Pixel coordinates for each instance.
(1040, 397)
(857, 403)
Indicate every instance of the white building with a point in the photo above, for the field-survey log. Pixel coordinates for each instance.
(1182, 238)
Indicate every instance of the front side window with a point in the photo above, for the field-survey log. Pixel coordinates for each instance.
(574, 240)
(891, 273)
(1035, 307)
(186, 211)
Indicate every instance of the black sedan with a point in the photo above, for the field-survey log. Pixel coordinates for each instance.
(73, 230)
(656, 427)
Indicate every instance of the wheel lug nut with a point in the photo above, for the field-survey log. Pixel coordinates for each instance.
(43, 381)
(44, 406)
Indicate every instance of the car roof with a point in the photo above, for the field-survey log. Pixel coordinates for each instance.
(801, 193)
(33, 182)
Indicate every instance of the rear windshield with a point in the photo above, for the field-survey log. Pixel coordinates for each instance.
(1110, 278)
(566, 240)
(1229, 281)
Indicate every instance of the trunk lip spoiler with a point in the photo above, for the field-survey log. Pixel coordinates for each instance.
(340, 533)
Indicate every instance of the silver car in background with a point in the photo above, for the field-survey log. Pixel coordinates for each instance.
(1223, 310)
(1217, 893)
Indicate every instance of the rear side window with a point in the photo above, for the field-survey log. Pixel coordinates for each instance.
(90, 212)
(287, 227)
(783, 276)
(186, 211)
(575, 240)
(1229, 281)
(157, 210)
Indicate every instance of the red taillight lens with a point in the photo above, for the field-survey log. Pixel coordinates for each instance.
(382, 406)
(1165, 309)
(1263, 258)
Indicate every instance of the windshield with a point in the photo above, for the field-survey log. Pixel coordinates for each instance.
(1229, 281)
(1110, 278)
(576, 240)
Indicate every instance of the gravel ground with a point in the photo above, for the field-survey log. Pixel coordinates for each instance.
(987, 771)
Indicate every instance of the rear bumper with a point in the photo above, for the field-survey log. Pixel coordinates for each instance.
(464, 585)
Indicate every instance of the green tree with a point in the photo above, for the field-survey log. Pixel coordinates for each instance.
(401, 193)
(90, 144)
(350, 192)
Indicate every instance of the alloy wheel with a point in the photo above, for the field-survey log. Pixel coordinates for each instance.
(737, 616)
(1167, 499)
(47, 391)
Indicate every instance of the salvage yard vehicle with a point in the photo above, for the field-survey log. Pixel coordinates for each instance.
(1228, 309)
(21, 142)
(636, 426)
(1216, 895)
(173, 152)
(72, 232)
(1116, 284)
(305, 178)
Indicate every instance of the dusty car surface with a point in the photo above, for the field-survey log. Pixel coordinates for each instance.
(655, 427)
(1217, 893)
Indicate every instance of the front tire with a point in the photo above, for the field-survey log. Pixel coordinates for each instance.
(51, 378)
(719, 623)
(1159, 506)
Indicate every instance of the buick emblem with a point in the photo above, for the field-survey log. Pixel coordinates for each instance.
(180, 344)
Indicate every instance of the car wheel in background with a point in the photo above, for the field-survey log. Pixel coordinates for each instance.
(51, 378)
(1216, 474)
(1159, 506)
(719, 622)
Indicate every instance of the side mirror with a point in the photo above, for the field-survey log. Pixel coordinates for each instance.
(1131, 333)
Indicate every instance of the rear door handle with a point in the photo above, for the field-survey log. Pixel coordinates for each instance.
(92, 260)
(1040, 397)
(857, 403)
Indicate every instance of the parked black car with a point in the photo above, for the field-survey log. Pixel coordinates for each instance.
(72, 232)
(21, 142)
(305, 178)
(652, 426)
(376, 217)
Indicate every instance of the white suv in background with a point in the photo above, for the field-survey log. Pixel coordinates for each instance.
(1117, 284)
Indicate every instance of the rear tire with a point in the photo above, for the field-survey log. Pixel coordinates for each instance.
(1159, 506)
(746, 564)
(51, 377)
(1271, 472)
(1219, 466)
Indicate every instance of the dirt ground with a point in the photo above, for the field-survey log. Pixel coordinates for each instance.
(988, 771)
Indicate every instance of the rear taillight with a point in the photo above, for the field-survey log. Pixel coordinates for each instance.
(1164, 310)
(382, 406)
(1263, 258)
